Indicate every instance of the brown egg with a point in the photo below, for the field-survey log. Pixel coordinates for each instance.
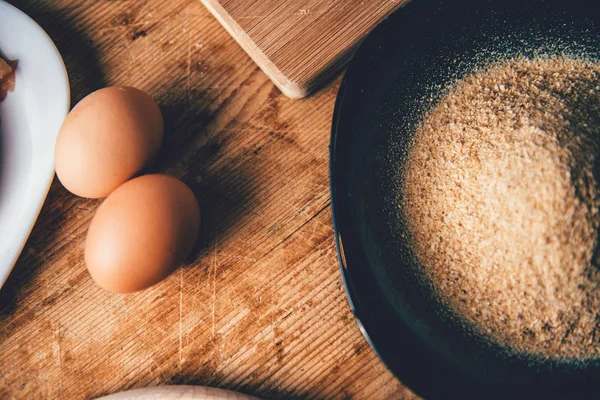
(106, 139)
(141, 233)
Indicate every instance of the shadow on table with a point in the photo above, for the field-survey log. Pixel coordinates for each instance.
(77, 51)
(222, 192)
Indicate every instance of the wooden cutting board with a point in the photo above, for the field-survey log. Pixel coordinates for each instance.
(300, 44)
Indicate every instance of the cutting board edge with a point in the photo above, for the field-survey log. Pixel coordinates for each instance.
(292, 89)
(297, 88)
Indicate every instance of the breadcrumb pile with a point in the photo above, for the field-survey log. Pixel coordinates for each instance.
(501, 199)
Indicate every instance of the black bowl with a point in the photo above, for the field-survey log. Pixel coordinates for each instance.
(407, 61)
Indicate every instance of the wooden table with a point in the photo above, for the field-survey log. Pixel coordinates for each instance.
(260, 308)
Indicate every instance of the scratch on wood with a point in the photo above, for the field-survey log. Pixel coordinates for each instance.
(236, 300)
(180, 317)
(251, 17)
(60, 358)
(325, 206)
(214, 297)
(189, 57)
(253, 211)
(298, 230)
(239, 257)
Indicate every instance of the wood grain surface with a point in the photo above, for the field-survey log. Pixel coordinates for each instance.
(300, 44)
(260, 307)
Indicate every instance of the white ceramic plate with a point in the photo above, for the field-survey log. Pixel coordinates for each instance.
(30, 119)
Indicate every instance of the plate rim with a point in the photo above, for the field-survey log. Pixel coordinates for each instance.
(45, 182)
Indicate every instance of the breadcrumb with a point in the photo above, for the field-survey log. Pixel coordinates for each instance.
(501, 200)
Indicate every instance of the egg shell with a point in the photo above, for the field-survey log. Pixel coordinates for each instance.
(108, 138)
(141, 233)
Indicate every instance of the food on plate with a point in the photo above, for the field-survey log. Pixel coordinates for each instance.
(108, 138)
(141, 233)
(502, 202)
(7, 77)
